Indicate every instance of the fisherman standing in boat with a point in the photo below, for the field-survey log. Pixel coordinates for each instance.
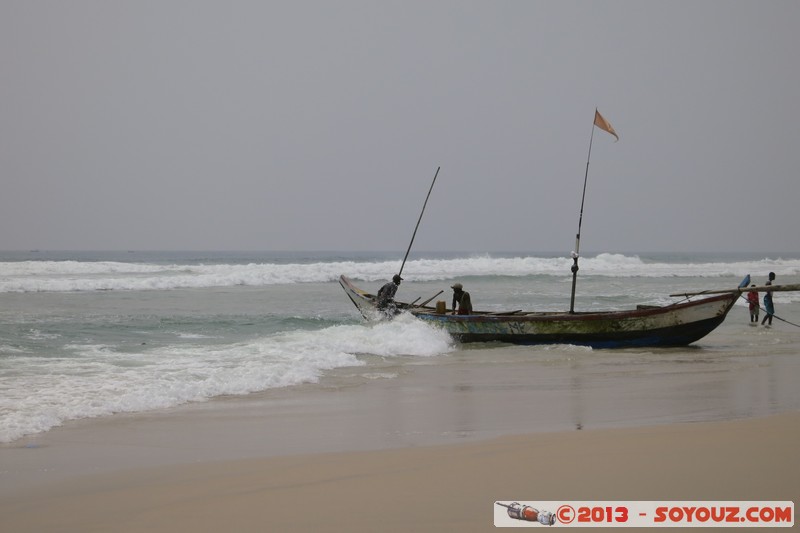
(462, 298)
(387, 292)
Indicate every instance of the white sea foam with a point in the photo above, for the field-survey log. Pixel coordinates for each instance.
(92, 380)
(70, 276)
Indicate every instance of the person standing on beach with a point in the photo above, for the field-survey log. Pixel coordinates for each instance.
(752, 299)
(387, 292)
(768, 307)
(462, 299)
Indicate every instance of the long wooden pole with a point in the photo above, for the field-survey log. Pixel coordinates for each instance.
(577, 251)
(428, 300)
(418, 221)
(760, 288)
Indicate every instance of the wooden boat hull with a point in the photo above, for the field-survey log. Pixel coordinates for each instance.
(672, 325)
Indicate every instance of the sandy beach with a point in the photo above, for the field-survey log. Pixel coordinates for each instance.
(431, 488)
(372, 458)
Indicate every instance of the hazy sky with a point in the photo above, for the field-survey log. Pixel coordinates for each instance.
(318, 125)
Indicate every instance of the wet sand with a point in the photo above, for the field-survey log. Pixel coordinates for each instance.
(429, 450)
(431, 488)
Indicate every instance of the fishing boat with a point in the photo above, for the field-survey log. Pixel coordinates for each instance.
(678, 324)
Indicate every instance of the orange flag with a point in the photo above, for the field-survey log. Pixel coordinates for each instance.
(603, 124)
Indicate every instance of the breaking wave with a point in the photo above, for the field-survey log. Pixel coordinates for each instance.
(71, 276)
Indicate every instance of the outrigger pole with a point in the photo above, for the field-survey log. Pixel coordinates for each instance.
(761, 288)
(603, 124)
(418, 221)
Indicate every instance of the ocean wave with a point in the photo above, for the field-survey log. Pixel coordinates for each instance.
(76, 276)
(94, 380)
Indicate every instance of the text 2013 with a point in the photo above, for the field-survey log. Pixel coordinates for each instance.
(566, 514)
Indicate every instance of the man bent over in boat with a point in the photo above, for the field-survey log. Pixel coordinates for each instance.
(386, 294)
(462, 298)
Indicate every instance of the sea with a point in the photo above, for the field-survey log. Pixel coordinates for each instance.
(96, 334)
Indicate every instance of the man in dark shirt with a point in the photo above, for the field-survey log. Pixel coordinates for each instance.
(387, 292)
(462, 298)
(769, 307)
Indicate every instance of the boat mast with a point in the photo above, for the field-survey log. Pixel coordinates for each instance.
(418, 221)
(577, 251)
(603, 124)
